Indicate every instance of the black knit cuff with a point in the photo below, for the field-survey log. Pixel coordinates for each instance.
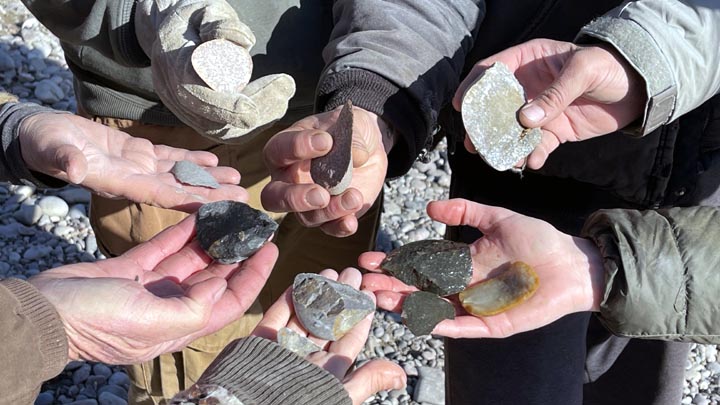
(258, 371)
(374, 93)
(53, 345)
(12, 164)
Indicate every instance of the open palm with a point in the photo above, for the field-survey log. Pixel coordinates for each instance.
(114, 164)
(559, 260)
(154, 299)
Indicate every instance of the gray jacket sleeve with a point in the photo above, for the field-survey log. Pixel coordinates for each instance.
(105, 25)
(673, 45)
(12, 165)
(401, 60)
(662, 272)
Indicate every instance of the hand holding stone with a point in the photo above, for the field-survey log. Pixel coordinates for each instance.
(154, 299)
(569, 270)
(192, 86)
(288, 156)
(114, 164)
(337, 357)
(576, 92)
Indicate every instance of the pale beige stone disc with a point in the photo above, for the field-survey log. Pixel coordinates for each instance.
(223, 65)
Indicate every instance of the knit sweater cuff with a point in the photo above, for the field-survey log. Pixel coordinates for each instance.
(257, 371)
(12, 165)
(374, 93)
(37, 309)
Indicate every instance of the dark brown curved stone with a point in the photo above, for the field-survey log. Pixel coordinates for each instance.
(334, 170)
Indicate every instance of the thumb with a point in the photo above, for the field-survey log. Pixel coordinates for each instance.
(71, 160)
(207, 293)
(459, 211)
(373, 377)
(572, 83)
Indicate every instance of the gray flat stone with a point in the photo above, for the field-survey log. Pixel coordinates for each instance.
(187, 172)
(430, 388)
(326, 308)
(422, 310)
(334, 170)
(489, 111)
(231, 231)
(438, 266)
(223, 65)
(296, 342)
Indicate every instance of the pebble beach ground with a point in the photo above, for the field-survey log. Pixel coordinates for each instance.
(42, 229)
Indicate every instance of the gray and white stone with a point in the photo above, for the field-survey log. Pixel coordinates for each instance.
(187, 172)
(296, 342)
(489, 111)
(326, 308)
(223, 65)
(430, 388)
(54, 206)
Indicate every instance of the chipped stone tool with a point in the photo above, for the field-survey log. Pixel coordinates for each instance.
(231, 231)
(334, 170)
(442, 267)
(189, 173)
(326, 308)
(496, 295)
(422, 311)
(489, 112)
(296, 342)
(223, 65)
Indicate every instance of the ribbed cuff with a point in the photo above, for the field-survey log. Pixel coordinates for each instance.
(642, 52)
(374, 93)
(53, 341)
(14, 169)
(258, 371)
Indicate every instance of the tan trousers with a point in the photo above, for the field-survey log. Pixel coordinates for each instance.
(120, 225)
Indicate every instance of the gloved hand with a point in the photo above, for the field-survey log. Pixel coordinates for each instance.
(169, 31)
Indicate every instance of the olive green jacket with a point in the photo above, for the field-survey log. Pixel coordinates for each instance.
(662, 277)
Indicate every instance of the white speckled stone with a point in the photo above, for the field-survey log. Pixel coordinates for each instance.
(223, 65)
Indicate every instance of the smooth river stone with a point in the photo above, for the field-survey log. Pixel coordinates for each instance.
(489, 112)
(223, 65)
(422, 311)
(326, 308)
(442, 267)
(231, 231)
(187, 172)
(334, 170)
(296, 342)
(498, 294)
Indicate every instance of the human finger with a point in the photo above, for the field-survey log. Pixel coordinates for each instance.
(279, 196)
(347, 203)
(459, 211)
(295, 145)
(371, 261)
(373, 377)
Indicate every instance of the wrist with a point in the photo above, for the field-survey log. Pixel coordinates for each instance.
(588, 262)
(379, 126)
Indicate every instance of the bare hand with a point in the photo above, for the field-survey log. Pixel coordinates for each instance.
(289, 153)
(569, 269)
(576, 92)
(114, 164)
(337, 357)
(154, 299)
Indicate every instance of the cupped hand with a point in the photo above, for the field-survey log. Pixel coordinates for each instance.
(337, 357)
(154, 299)
(575, 92)
(288, 155)
(569, 270)
(114, 164)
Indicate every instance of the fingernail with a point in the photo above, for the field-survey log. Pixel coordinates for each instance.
(315, 198)
(533, 113)
(349, 201)
(321, 142)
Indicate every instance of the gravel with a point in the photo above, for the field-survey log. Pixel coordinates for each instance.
(45, 229)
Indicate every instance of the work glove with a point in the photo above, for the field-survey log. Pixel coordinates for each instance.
(169, 32)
